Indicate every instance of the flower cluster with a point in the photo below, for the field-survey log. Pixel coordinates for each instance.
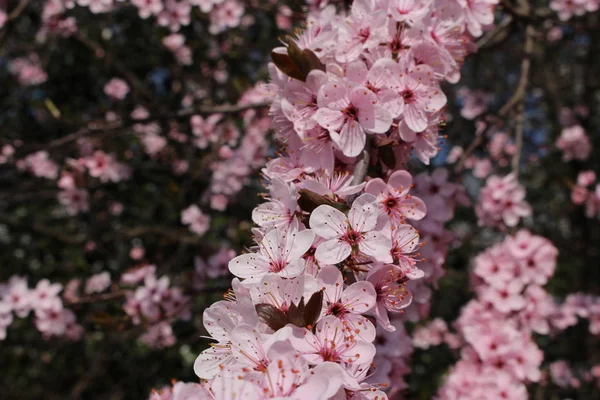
(353, 96)
(50, 316)
(498, 352)
(583, 194)
(28, 70)
(172, 14)
(574, 143)
(154, 305)
(566, 9)
(502, 202)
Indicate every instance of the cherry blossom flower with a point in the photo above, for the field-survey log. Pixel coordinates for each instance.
(116, 88)
(350, 234)
(393, 198)
(278, 252)
(574, 144)
(502, 201)
(349, 113)
(198, 222)
(348, 304)
(97, 283)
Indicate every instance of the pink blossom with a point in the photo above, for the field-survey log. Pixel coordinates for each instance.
(226, 15)
(502, 202)
(331, 343)
(137, 252)
(40, 164)
(97, 283)
(348, 304)
(390, 291)
(147, 8)
(75, 200)
(279, 252)
(478, 14)
(28, 70)
(363, 30)
(421, 97)
(348, 113)
(574, 144)
(354, 233)
(198, 222)
(116, 88)
(393, 198)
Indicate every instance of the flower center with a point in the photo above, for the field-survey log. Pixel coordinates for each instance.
(278, 265)
(408, 96)
(352, 237)
(351, 112)
(337, 309)
(364, 34)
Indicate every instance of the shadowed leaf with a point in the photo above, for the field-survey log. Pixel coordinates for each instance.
(271, 315)
(312, 311)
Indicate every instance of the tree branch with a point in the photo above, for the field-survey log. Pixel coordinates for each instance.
(521, 91)
(115, 127)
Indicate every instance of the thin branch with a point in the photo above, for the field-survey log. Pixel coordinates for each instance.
(491, 38)
(362, 166)
(43, 230)
(521, 89)
(516, 100)
(14, 14)
(115, 127)
(96, 298)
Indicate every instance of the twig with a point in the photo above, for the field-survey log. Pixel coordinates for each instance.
(94, 299)
(362, 166)
(467, 153)
(517, 99)
(114, 127)
(521, 90)
(361, 169)
(42, 230)
(137, 85)
(14, 14)
(489, 39)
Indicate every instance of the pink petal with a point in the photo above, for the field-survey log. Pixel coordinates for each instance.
(331, 281)
(351, 139)
(376, 245)
(322, 384)
(328, 222)
(364, 212)
(298, 243)
(415, 118)
(359, 297)
(249, 266)
(293, 269)
(333, 251)
(406, 134)
(400, 180)
(329, 119)
(437, 100)
(333, 95)
(356, 71)
(376, 186)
